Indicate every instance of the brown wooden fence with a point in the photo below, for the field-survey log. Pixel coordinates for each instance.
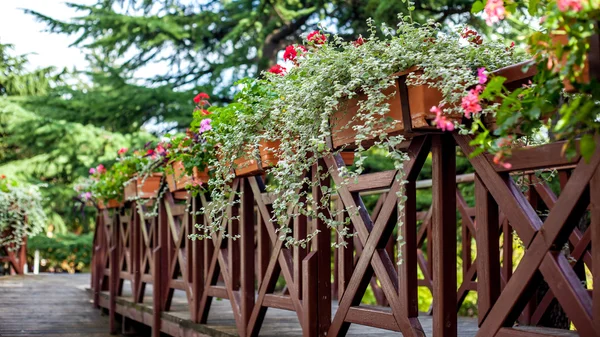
(249, 271)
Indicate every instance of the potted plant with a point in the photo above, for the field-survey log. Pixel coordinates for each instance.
(562, 51)
(149, 168)
(21, 212)
(341, 95)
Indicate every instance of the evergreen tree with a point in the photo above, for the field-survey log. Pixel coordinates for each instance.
(215, 43)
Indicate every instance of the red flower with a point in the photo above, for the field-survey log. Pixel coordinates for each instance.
(205, 112)
(100, 169)
(150, 153)
(316, 37)
(291, 52)
(359, 42)
(472, 36)
(2, 176)
(201, 96)
(277, 69)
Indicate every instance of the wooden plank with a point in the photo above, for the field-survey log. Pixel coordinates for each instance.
(443, 150)
(488, 253)
(538, 157)
(372, 317)
(278, 301)
(372, 181)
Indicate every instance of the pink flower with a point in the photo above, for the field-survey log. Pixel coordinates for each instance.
(92, 170)
(277, 69)
(201, 96)
(440, 121)
(565, 5)
(316, 37)
(122, 150)
(205, 125)
(470, 103)
(100, 169)
(291, 52)
(86, 196)
(161, 150)
(481, 75)
(495, 11)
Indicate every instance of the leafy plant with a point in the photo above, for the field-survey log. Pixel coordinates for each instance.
(561, 50)
(296, 104)
(21, 212)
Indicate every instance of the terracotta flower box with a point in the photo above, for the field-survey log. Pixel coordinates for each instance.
(145, 188)
(247, 166)
(178, 180)
(348, 157)
(516, 77)
(111, 203)
(420, 100)
(584, 78)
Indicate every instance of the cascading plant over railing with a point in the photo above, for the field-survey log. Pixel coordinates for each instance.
(331, 87)
(21, 212)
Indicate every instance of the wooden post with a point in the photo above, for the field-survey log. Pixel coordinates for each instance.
(444, 236)
(157, 286)
(247, 254)
(198, 266)
(322, 245)
(310, 295)
(136, 250)
(407, 246)
(595, 240)
(114, 276)
(488, 253)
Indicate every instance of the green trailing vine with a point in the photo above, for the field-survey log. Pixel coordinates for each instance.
(21, 212)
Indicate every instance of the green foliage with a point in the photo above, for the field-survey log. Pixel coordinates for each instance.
(561, 50)
(15, 80)
(69, 252)
(53, 151)
(21, 212)
(214, 44)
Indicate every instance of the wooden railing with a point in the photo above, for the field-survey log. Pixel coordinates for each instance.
(15, 257)
(156, 251)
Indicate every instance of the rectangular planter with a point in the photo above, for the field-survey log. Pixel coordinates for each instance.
(112, 203)
(144, 188)
(420, 100)
(178, 180)
(584, 78)
(247, 166)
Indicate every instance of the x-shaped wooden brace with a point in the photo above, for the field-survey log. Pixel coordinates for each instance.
(579, 241)
(374, 258)
(241, 301)
(124, 231)
(148, 242)
(281, 262)
(539, 238)
(180, 252)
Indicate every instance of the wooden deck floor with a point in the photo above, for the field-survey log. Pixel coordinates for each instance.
(59, 305)
(49, 305)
